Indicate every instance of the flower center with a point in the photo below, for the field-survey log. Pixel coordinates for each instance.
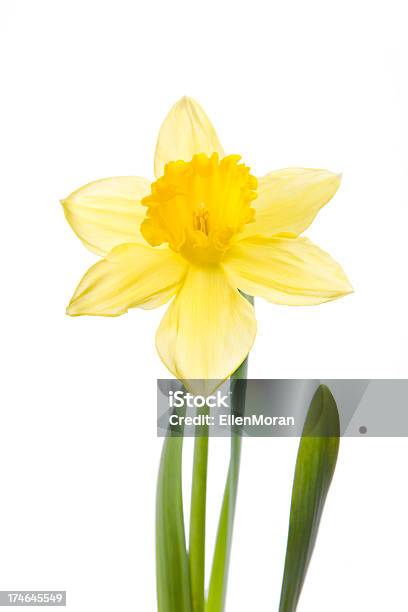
(198, 206)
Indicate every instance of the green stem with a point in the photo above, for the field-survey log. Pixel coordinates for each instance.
(219, 572)
(198, 519)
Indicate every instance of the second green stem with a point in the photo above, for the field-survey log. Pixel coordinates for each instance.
(198, 520)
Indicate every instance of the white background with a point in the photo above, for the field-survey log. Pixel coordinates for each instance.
(84, 88)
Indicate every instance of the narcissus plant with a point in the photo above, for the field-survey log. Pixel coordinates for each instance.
(207, 236)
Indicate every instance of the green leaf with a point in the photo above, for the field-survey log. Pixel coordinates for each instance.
(172, 570)
(315, 465)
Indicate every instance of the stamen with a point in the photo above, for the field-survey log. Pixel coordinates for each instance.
(200, 219)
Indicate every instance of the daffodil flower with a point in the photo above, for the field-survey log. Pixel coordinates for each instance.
(202, 233)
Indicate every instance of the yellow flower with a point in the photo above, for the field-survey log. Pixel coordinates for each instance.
(203, 230)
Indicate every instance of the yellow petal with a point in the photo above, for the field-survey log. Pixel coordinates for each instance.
(106, 213)
(208, 329)
(288, 200)
(131, 275)
(290, 271)
(185, 132)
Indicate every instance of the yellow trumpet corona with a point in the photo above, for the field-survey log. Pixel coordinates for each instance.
(197, 207)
